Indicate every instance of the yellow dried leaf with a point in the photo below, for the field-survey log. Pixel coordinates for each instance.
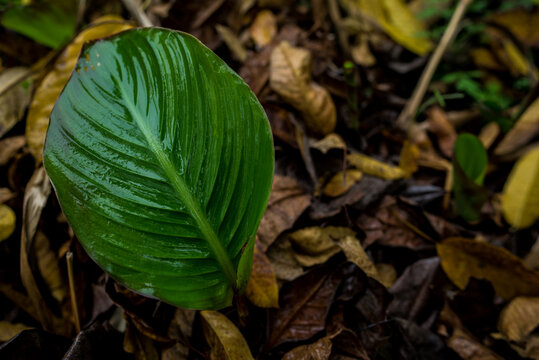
(523, 131)
(374, 167)
(396, 19)
(408, 159)
(519, 318)
(7, 222)
(315, 245)
(262, 289)
(290, 77)
(387, 274)
(329, 142)
(464, 258)
(354, 252)
(361, 53)
(522, 22)
(342, 182)
(520, 197)
(263, 28)
(9, 330)
(49, 89)
(225, 340)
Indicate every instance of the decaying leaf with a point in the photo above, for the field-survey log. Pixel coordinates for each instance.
(374, 167)
(395, 17)
(519, 318)
(329, 142)
(489, 133)
(225, 340)
(283, 260)
(9, 147)
(464, 258)
(290, 77)
(320, 350)
(262, 289)
(315, 245)
(354, 252)
(263, 28)
(341, 182)
(522, 23)
(9, 330)
(520, 197)
(14, 101)
(523, 131)
(409, 158)
(48, 267)
(287, 202)
(7, 222)
(442, 129)
(49, 89)
(387, 275)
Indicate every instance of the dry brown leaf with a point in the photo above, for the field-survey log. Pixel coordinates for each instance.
(7, 222)
(290, 77)
(49, 89)
(14, 101)
(9, 147)
(520, 197)
(464, 258)
(522, 23)
(9, 330)
(6, 194)
(522, 132)
(485, 58)
(442, 129)
(287, 202)
(225, 340)
(47, 262)
(361, 53)
(329, 142)
(320, 350)
(263, 28)
(408, 158)
(341, 182)
(469, 348)
(262, 289)
(283, 261)
(374, 167)
(519, 318)
(315, 245)
(489, 133)
(180, 329)
(354, 252)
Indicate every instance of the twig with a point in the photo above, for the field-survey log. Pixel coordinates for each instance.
(69, 259)
(137, 13)
(408, 113)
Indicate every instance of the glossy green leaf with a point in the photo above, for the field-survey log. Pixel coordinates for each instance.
(162, 159)
(49, 22)
(469, 166)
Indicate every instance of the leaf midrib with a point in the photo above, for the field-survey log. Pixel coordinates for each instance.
(182, 190)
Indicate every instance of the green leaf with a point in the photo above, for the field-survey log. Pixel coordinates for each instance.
(162, 159)
(51, 23)
(469, 166)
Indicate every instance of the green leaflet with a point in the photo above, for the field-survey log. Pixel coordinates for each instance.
(162, 159)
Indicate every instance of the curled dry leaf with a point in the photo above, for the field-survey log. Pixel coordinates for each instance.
(442, 129)
(290, 77)
(520, 197)
(225, 340)
(283, 260)
(9, 147)
(464, 258)
(354, 252)
(374, 167)
(409, 158)
(50, 88)
(329, 142)
(341, 182)
(263, 28)
(315, 245)
(287, 202)
(7, 222)
(262, 289)
(320, 350)
(523, 131)
(13, 101)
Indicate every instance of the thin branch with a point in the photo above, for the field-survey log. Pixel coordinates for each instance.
(137, 13)
(408, 113)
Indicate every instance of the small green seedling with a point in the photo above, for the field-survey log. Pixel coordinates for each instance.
(162, 160)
